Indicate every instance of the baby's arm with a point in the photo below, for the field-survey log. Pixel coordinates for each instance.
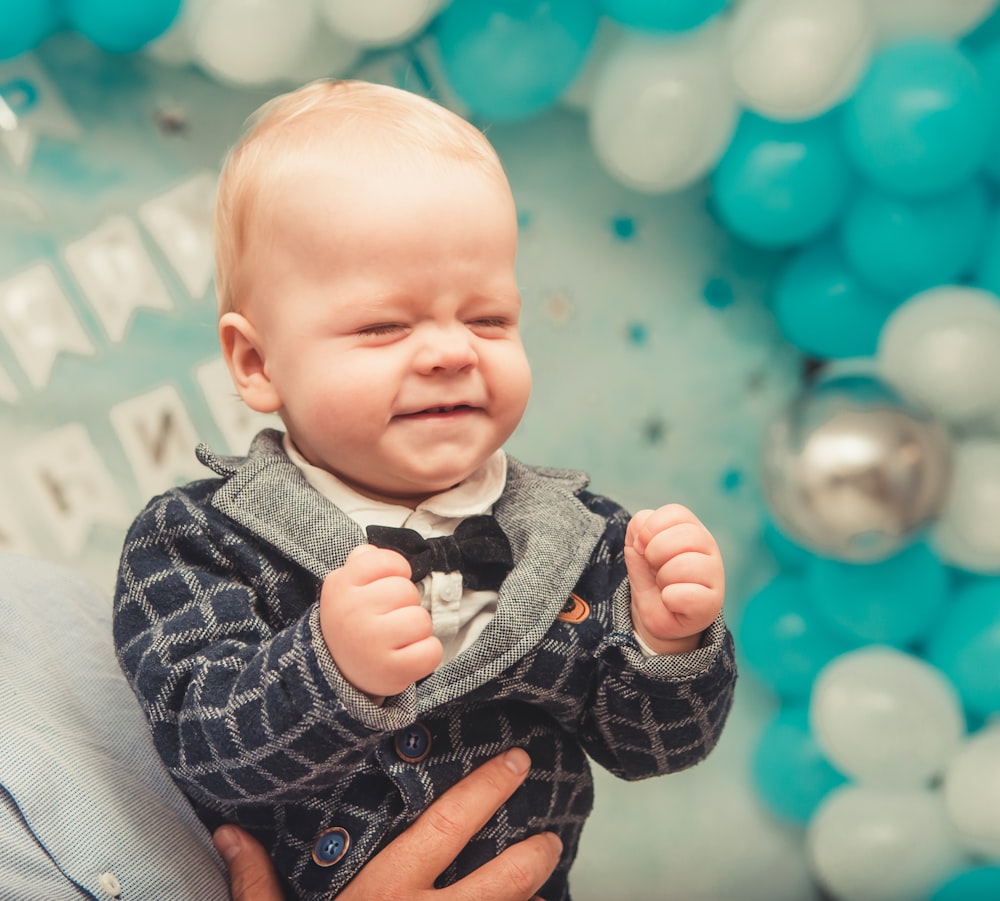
(377, 633)
(650, 715)
(676, 576)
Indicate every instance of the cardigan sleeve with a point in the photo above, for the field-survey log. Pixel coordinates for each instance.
(220, 643)
(651, 715)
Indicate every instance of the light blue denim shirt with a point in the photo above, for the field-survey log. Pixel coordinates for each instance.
(86, 809)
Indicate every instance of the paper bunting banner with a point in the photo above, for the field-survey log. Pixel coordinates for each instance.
(38, 322)
(159, 439)
(180, 221)
(116, 274)
(72, 488)
(12, 537)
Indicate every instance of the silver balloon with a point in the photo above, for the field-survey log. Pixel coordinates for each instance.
(853, 472)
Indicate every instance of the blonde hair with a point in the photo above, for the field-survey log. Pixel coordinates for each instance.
(358, 116)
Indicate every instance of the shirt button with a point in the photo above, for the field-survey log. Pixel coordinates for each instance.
(331, 846)
(109, 883)
(413, 743)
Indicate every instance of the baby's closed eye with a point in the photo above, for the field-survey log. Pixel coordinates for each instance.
(490, 324)
(382, 328)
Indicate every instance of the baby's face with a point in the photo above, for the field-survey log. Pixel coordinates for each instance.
(387, 310)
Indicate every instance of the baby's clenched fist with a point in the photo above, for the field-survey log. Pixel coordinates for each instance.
(676, 575)
(377, 633)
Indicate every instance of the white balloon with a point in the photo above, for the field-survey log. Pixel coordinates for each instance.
(580, 93)
(173, 47)
(250, 42)
(870, 844)
(966, 533)
(886, 718)
(378, 22)
(326, 55)
(972, 793)
(725, 846)
(663, 109)
(941, 348)
(928, 18)
(795, 59)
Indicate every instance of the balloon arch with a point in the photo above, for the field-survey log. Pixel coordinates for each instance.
(863, 138)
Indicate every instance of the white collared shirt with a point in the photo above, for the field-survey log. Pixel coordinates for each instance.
(458, 615)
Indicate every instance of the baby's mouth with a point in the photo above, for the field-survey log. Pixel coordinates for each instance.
(443, 410)
(449, 409)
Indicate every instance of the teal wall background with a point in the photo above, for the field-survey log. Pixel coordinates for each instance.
(657, 366)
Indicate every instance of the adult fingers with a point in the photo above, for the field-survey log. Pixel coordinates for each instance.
(251, 873)
(443, 830)
(515, 875)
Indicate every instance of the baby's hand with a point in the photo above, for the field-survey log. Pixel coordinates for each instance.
(377, 632)
(676, 575)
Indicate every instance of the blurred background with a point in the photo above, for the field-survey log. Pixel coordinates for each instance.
(760, 257)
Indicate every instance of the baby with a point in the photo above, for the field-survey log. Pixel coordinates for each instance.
(373, 602)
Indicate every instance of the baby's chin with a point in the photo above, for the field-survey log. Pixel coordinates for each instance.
(408, 495)
(408, 485)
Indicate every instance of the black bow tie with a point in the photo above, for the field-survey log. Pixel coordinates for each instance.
(479, 549)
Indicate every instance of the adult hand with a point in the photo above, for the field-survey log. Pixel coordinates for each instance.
(251, 874)
(408, 866)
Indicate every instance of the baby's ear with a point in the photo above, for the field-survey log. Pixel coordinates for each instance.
(244, 356)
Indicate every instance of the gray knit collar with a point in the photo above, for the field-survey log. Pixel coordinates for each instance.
(552, 535)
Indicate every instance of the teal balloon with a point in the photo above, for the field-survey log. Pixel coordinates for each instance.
(25, 23)
(780, 184)
(921, 121)
(782, 640)
(985, 34)
(662, 15)
(903, 246)
(987, 271)
(897, 601)
(974, 884)
(512, 59)
(985, 54)
(121, 26)
(965, 645)
(824, 309)
(789, 772)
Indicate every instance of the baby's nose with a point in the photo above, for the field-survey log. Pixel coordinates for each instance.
(447, 348)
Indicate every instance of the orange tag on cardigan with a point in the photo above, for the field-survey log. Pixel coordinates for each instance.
(576, 610)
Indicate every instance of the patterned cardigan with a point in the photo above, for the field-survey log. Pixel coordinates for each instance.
(216, 627)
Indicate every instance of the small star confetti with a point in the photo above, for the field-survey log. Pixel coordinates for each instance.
(623, 227)
(171, 119)
(718, 293)
(755, 381)
(637, 333)
(811, 369)
(654, 431)
(557, 307)
(731, 480)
